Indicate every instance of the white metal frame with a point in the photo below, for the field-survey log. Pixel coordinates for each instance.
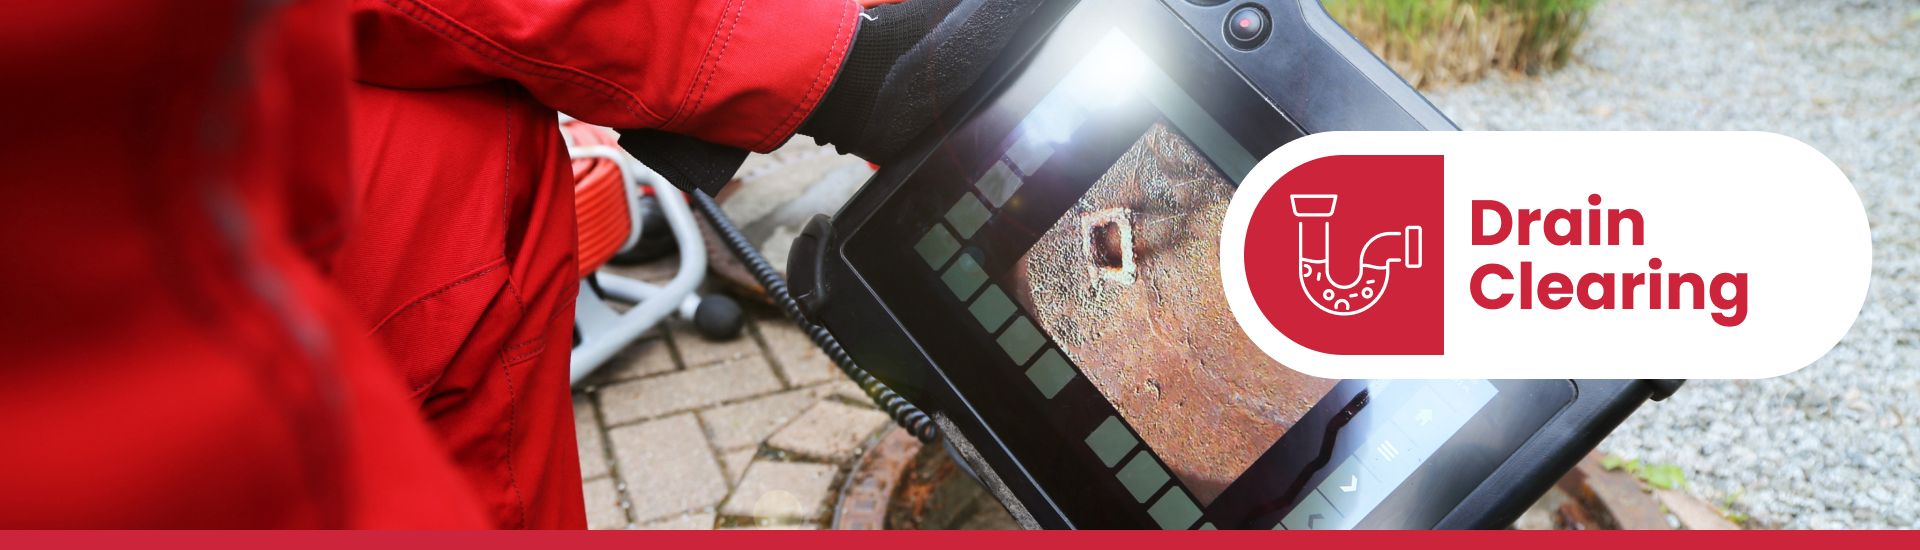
(603, 331)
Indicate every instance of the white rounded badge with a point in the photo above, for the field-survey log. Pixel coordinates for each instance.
(1546, 254)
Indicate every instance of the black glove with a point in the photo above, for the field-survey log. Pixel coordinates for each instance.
(689, 163)
(908, 62)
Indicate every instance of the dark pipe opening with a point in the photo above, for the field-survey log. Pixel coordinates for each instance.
(1104, 240)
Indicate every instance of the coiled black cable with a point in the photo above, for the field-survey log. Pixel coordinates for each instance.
(904, 413)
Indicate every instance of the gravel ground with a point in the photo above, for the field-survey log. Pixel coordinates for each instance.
(1836, 444)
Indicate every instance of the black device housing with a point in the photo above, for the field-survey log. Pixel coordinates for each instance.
(1317, 78)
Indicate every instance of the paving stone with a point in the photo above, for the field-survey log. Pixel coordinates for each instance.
(690, 521)
(647, 356)
(667, 467)
(845, 390)
(775, 526)
(586, 432)
(685, 390)
(828, 430)
(603, 505)
(697, 351)
(736, 463)
(799, 360)
(746, 423)
(782, 490)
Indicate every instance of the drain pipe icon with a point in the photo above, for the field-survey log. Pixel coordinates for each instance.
(1365, 288)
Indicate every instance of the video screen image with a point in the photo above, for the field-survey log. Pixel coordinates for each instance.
(1127, 284)
(1085, 243)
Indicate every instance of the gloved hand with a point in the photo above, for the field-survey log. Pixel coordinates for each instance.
(907, 63)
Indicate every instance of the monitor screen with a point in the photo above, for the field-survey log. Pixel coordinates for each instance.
(1062, 266)
(1126, 282)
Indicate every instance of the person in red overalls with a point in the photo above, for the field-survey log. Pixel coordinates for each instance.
(310, 263)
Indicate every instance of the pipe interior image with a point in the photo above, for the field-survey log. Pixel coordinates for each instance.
(1128, 284)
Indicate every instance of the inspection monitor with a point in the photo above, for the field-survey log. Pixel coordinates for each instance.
(1042, 274)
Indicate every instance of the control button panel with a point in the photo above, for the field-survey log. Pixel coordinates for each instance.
(1424, 415)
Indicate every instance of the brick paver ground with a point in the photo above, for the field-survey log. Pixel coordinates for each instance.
(735, 442)
(678, 432)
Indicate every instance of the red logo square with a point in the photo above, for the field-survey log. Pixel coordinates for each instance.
(1344, 255)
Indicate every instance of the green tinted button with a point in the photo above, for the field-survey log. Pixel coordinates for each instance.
(1142, 476)
(1050, 373)
(1174, 510)
(1111, 441)
(964, 277)
(1020, 340)
(967, 215)
(998, 184)
(937, 246)
(991, 308)
(1030, 152)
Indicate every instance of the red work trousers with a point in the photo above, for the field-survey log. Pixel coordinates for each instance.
(461, 263)
(462, 258)
(310, 264)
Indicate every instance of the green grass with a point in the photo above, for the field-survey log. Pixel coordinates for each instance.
(1433, 42)
(1659, 476)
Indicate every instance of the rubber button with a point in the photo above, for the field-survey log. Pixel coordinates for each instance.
(1247, 27)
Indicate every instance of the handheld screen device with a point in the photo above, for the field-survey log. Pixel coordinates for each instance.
(1042, 274)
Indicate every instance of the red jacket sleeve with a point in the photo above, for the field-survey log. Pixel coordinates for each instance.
(734, 72)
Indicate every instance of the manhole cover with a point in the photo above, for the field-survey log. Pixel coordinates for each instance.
(901, 484)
